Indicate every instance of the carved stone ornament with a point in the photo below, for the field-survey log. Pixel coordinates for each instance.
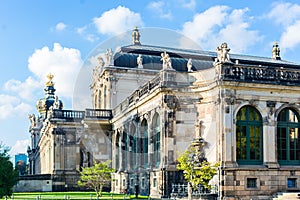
(189, 65)
(223, 53)
(167, 63)
(109, 57)
(276, 52)
(136, 36)
(139, 61)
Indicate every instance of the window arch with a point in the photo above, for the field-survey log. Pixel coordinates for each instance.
(249, 136)
(156, 138)
(288, 139)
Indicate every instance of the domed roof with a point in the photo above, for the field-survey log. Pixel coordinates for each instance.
(44, 104)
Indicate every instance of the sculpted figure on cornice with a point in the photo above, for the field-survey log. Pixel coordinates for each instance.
(167, 63)
(223, 53)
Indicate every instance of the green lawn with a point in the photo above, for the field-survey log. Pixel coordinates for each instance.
(69, 195)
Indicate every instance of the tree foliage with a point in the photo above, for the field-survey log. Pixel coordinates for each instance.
(197, 175)
(96, 176)
(8, 175)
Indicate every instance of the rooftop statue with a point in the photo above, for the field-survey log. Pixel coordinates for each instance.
(167, 64)
(276, 51)
(136, 36)
(189, 65)
(139, 61)
(109, 57)
(223, 53)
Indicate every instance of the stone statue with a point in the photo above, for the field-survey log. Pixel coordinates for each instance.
(136, 36)
(32, 120)
(223, 53)
(189, 65)
(276, 51)
(199, 130)
(139, 61)
(167, 64)
(98, 69)
(109, 57)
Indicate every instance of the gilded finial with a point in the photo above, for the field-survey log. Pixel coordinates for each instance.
(50, 82)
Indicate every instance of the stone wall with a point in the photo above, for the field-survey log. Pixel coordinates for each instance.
(34, 183)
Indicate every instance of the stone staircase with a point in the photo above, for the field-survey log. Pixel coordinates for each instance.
(287, 196)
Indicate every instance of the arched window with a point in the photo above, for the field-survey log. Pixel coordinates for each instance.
(144, 143)
(288, 140)
(156, 138)
(249, 136)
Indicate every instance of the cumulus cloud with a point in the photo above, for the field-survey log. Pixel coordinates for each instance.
(64, 63)
(290, 38)
(289, 23)
(25, 90)
(117, 20)
(60, 26)
(221, 24)
(160, 8)
(87, 36)
(291, 13)
(190, 4)
(20, 147)
(12, 106)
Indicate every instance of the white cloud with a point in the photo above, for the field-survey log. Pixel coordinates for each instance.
(25, 90)
(117, 20)
(189, 4)
(290, 38)
(284, 13)
(64, 63)
(219, 24)
(60, 26)
(287, 16)
(12, 106)
(87, 36)
(20, 147)
(160, 8)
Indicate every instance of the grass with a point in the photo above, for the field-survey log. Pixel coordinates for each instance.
(70, 196)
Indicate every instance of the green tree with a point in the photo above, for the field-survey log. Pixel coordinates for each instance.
(8, 175)
(96, 176)
(197, 175)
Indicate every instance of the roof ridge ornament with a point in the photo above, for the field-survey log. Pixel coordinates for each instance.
(223, 53)
(136, 36)
(276, 51)
(50, 82)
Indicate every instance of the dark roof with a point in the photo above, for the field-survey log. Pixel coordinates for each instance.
(151, 55)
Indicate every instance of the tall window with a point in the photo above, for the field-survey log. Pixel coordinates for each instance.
(99, 99)
(249, 136)
(104, 98)
(144, 143)
(288, 141)
(117, 144)
(156, 138)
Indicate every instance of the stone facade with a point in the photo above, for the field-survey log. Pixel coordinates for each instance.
(151, 102)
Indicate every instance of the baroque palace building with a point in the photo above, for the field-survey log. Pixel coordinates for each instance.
(151, 102)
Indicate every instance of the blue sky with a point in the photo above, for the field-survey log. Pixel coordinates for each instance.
(38, 37)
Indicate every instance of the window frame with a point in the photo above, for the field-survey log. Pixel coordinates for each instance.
(247, 137)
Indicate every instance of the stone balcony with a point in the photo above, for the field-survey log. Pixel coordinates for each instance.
(88, 114)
